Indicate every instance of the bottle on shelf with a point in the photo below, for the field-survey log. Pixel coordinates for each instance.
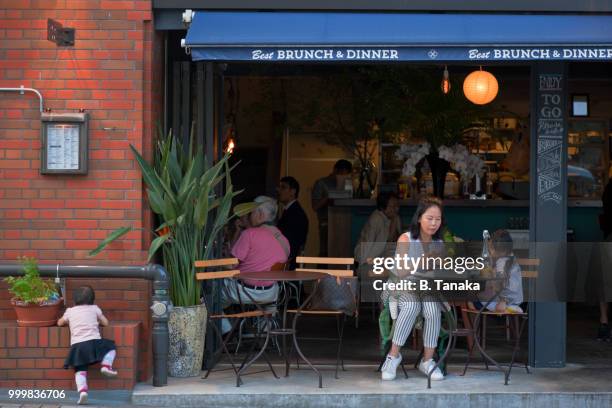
(485, 250)
(402, 187)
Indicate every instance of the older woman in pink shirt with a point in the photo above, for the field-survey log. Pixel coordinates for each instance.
(258, 248)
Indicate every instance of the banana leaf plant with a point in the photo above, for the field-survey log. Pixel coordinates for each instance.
(183, 190)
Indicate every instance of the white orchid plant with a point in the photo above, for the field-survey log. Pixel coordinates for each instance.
(462, 161)
(413, 154)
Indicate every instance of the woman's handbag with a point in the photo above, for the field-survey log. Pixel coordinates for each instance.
(336, 294)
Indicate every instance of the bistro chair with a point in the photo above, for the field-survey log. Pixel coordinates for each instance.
(529, 270)
(237, 318)
(279, 266)
(345, 290)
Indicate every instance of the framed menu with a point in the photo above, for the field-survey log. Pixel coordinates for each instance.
(64, 143)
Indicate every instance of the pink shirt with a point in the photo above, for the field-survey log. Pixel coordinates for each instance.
(258, 249)
(83, 322)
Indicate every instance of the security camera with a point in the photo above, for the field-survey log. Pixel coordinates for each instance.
(188, 16)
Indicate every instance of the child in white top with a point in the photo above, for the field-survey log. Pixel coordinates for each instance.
(505, 266)
(87, 347)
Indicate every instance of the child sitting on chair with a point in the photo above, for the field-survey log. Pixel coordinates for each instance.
(505, 265)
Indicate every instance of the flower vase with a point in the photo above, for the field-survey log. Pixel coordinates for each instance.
(439, 167)
(466, 187)
(367, 181)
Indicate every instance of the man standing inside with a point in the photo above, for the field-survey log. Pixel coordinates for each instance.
(293, 222)
(320, 197)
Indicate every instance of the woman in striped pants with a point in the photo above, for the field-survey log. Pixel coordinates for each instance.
(423, 235)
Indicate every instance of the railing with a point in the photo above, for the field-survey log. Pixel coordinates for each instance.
(160, 300)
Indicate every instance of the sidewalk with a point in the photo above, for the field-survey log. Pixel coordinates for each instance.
(360, 386)
(97, 398)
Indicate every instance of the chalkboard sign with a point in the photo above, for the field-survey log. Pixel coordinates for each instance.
(550, 128)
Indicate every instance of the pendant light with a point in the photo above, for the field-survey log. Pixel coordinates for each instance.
(445, 85)
(480, 87)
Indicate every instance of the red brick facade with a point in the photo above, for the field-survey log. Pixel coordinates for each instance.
(115, 72)
(33, 357)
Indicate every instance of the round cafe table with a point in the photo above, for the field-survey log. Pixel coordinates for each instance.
(284, 277)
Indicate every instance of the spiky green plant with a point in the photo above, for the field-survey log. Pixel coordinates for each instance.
(184, 191)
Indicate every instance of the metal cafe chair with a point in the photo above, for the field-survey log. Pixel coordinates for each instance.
(519, 320)
(347, 286)
(279, 266)
(236, 317)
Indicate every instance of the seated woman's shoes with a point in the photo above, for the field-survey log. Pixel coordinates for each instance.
(390, 367)
(108, 372)
(426, 366)
(82, 398)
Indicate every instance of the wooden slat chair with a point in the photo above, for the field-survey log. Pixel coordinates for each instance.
(237, 317)
(529, 270)
(341, 275)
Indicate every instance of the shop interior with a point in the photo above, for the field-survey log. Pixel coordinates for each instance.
(298, 119)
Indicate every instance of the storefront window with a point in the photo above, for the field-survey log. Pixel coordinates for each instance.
(588, 159)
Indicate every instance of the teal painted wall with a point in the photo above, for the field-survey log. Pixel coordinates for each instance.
(468, 222)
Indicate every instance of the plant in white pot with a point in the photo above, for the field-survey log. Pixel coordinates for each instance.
(182, 189)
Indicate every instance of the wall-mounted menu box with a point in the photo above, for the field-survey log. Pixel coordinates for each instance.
(64, 143)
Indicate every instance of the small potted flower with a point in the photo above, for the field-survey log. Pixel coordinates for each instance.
(35, 300)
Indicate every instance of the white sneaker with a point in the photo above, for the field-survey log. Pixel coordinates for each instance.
(107, 372)
(82, 398)
(390, 367)
(426, 366)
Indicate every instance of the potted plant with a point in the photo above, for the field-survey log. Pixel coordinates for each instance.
(183, 190)
(35, 300)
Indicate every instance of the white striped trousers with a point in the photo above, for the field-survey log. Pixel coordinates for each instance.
(408, 313)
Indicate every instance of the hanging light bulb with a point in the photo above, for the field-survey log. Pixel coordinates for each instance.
(480, 87)
(230, 145)
(445, 85)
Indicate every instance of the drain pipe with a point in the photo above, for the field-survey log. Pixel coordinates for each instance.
(160, 300)
(22, 90)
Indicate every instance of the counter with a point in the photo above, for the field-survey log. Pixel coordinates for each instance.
(465, 218)
(364, 202)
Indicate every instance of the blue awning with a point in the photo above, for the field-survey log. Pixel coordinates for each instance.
(326, 37)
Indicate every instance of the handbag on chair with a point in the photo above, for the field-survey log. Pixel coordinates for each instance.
(336, 294)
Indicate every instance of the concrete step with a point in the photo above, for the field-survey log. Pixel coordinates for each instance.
(361, 386)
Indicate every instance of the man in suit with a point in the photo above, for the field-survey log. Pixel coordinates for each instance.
(293, 222)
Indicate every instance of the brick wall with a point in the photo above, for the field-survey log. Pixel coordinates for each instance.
(33, 357)
(114, 72)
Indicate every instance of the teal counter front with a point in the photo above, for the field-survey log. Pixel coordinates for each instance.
(465, 218)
